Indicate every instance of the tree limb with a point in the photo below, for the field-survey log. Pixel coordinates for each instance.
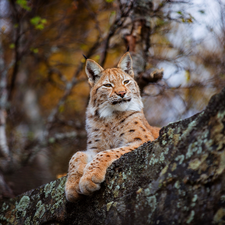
(177, 179)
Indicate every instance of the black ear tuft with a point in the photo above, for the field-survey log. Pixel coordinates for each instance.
(128, 48)
(85, 57)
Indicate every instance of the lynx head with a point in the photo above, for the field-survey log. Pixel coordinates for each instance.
(114, 89)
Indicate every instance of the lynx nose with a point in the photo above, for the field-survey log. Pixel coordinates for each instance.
(121, 93)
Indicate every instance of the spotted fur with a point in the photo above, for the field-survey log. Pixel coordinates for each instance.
(115, 125)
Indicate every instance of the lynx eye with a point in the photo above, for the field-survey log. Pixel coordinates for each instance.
(107, 85)
(126, 81)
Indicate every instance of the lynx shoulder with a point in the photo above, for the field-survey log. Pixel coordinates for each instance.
(115, 125)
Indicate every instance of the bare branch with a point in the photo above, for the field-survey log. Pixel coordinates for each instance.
(16, 51)
(117, 24)
(68, 89)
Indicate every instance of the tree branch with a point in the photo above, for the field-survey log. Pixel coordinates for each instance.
(117, 24)
(169, 181)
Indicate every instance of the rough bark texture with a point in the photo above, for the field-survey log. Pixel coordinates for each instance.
(177, 179)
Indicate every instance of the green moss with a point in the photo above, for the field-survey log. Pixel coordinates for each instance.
(170, 133)
(27, 221)
(218, 217)
(116, 193)
(56, 205)
(162, 158)
(152, 202)
(152, 160)
(48, 189)
(190, 151)
(4, 206)
(221, 115)
(191, 217)
(166, 151)
(194, 164)
(180, 158)
(190, 127)
(174, 166)
(164, 142)
(176, 139)
(147, 192)
(22, 206)
(199, 150)
(58, 196)
(40, 210)
(2, 218)
(164, 170)
(177, 185)
(23, 203)
(55, 193)
(108, 206)
(155, 160)
(194, 199)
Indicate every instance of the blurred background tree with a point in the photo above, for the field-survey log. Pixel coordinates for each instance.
(43, 88)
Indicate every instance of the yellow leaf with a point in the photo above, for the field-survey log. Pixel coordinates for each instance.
(187, 75)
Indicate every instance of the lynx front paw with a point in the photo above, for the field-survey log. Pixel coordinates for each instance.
(72, 195)
(91, 181)
(72, 191)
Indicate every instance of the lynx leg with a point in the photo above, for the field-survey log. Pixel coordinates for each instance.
(94, 172)
(76, 169)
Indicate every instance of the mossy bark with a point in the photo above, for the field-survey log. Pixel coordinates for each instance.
(177, 179)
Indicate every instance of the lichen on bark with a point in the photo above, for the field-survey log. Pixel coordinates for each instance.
(177, 179)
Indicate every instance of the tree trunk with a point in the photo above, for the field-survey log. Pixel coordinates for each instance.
(177, 179)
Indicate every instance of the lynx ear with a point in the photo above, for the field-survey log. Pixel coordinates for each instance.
(125, 64)
(93, 71)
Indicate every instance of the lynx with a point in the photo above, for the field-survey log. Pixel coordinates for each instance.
(115, 125)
